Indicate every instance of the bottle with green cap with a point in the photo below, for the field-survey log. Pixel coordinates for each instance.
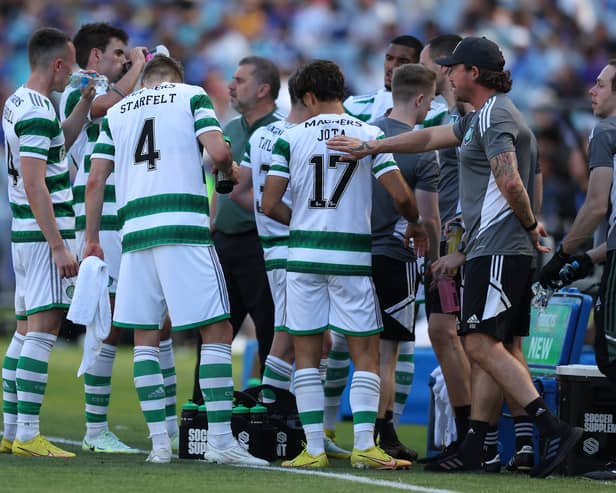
(241, 411)
(240, 418)
(201, 418)
(258, 414)
(189, 411)
(253, 382)
(187, 422)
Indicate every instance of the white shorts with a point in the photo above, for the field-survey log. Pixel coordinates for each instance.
(345, 304)
(111, 243)
(278, 286)
(186, 279)
(38, 286)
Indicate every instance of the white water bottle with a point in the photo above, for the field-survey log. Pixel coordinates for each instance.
(80, 79)
(159, 50)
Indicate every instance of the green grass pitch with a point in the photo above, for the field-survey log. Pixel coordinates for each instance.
(63, 417)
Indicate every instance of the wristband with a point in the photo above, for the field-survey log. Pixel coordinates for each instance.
(562, 254)
(531, 227)
(117, 90)
(418, 221)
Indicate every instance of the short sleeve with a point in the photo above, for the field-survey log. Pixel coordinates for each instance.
(104, 147)
(246, 157)
(497, 130)
(428, 172)
(281, 155)
(35, 131)
(601, 148)
(203, 113)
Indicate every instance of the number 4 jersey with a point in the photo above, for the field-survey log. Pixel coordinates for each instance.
(331, 198)
(32, 129)
(151, 136)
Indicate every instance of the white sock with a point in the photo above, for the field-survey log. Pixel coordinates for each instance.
(215, 379)
(364, 400)
(310, 401)
(160, 440)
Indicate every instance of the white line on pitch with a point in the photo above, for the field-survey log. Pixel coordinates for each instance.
(358, 479)
(333, 475)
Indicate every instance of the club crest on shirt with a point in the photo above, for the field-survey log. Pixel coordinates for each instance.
(70, 290)
(468, 136)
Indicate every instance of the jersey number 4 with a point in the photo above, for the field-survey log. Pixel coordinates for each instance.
(146, 150)
(318, 200)
(11, 165)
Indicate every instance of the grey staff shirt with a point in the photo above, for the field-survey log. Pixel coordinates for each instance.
(421, 172)
(601, 151)
(492, 227)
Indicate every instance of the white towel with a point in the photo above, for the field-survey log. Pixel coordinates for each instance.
(444, 420)
(90, 307)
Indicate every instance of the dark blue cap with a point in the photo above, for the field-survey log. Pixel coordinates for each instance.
(480, 52)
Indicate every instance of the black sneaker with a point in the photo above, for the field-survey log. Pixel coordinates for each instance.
(555, 449)
(399, 451)
(454, 463)
(493, 464)
(607, 473)
(522, 460)
(446, 452)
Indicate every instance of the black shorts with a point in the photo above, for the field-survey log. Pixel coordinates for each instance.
(496, 296)
(433, 299)
(396, 284)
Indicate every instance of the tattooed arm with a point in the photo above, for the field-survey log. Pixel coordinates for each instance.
(505, 170)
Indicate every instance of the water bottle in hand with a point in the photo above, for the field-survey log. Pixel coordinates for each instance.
(159, 50)
(541, 296)
(568, 273)
(80, 79)
(224, 184)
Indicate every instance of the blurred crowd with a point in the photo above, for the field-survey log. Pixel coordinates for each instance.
(554, 50)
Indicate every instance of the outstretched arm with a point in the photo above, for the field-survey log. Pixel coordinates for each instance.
(427, 139)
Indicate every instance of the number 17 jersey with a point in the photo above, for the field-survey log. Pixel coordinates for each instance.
(331, 198)
(151, 136)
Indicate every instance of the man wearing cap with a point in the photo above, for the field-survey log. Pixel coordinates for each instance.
(496, 173)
